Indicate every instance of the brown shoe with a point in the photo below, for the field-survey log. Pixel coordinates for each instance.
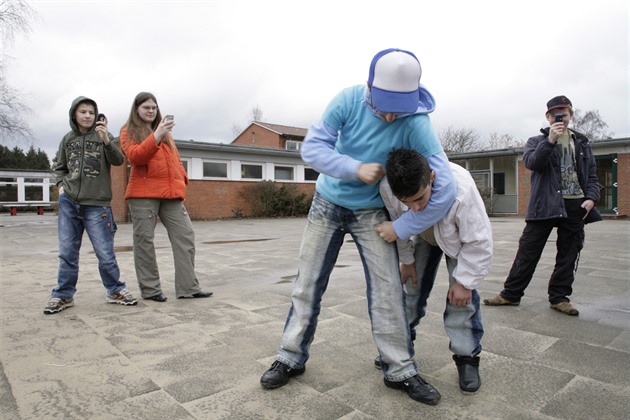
(565, 308)
(498, 300)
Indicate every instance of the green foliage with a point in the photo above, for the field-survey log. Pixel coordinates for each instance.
(16, 158)
(273, 200)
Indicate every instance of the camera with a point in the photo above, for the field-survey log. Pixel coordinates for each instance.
(559, 118)
(169, 117)
(101, 117)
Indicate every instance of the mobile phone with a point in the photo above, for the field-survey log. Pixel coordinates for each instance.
(169, 117)
(101, 117)
(559, 117)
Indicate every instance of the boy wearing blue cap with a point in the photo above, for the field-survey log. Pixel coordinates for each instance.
(349, 148)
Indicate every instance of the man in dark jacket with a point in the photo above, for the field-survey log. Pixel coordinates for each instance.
(564, 190)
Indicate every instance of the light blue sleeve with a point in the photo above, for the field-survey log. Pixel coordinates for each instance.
(318, 150)
(443, 194)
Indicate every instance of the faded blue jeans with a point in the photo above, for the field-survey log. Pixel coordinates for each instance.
(73, 219)
(463, 324)
(323, 236)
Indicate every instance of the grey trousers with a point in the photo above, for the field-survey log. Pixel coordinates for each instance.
(174, 217)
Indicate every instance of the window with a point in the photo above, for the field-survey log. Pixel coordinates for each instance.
(215, 170)
(34, 189)
(499, 182)
(478, 164)
(34, 193)
(310, 174)
(293, 145)
(8, 189)
(482, 179)
(185, 165)
(283, 173)
(251, 171)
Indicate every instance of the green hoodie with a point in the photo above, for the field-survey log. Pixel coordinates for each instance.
(83, 162)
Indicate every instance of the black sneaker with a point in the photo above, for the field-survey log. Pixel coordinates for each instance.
(468, 369)
(418, 389)
(278, 375)
(57, 305)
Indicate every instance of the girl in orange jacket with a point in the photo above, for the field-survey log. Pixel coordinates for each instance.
(157, 188)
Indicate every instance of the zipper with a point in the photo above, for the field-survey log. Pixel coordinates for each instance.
(76, 200)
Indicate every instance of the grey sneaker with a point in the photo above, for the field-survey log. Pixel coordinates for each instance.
(57, 305)
(123, 297)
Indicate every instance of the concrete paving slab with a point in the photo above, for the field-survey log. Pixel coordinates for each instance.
(203, 358)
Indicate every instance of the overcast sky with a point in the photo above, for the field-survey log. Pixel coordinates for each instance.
(491, 65)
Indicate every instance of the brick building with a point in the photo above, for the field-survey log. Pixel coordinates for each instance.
(220, 174)
(503, 174)
(260, 134)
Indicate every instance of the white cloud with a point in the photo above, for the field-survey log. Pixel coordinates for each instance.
(491, 65)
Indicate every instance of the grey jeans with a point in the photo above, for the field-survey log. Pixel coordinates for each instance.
(174, 217)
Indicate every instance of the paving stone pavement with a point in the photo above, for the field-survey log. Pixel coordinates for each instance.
(203, 358)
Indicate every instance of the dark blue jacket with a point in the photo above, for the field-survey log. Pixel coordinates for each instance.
(543, 159)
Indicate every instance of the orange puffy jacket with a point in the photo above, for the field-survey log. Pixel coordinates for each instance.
(156, 170)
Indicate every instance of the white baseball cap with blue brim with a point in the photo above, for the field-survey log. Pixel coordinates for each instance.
(395, 81)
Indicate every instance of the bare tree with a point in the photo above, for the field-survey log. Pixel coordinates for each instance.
(255, 115)
(14, 18)
(502, 141)
(591, 124)
(459, 140)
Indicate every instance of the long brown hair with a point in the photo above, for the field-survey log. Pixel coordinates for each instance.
(136, 128)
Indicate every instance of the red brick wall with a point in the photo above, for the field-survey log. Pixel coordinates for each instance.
(259, 137)
(623, 182)
(523, 188)
(205, 199)
(119, 186)
(220, 199)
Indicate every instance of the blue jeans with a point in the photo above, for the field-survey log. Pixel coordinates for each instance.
(323, 236)
(99, 223)
(463, 324)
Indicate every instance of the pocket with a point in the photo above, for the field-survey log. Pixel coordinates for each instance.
(143, 219)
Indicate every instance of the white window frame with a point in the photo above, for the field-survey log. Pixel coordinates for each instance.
(297, 144)
(293, 168)
(227, 167)
(259, 164)
(188, 166)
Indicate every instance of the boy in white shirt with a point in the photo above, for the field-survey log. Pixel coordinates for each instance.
(464, 235)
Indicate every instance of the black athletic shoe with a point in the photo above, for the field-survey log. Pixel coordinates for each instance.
(418, 389)
(468, 369)
(158, 298)
(278, 375)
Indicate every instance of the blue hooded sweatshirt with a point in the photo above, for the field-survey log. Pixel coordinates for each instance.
(351, 133)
